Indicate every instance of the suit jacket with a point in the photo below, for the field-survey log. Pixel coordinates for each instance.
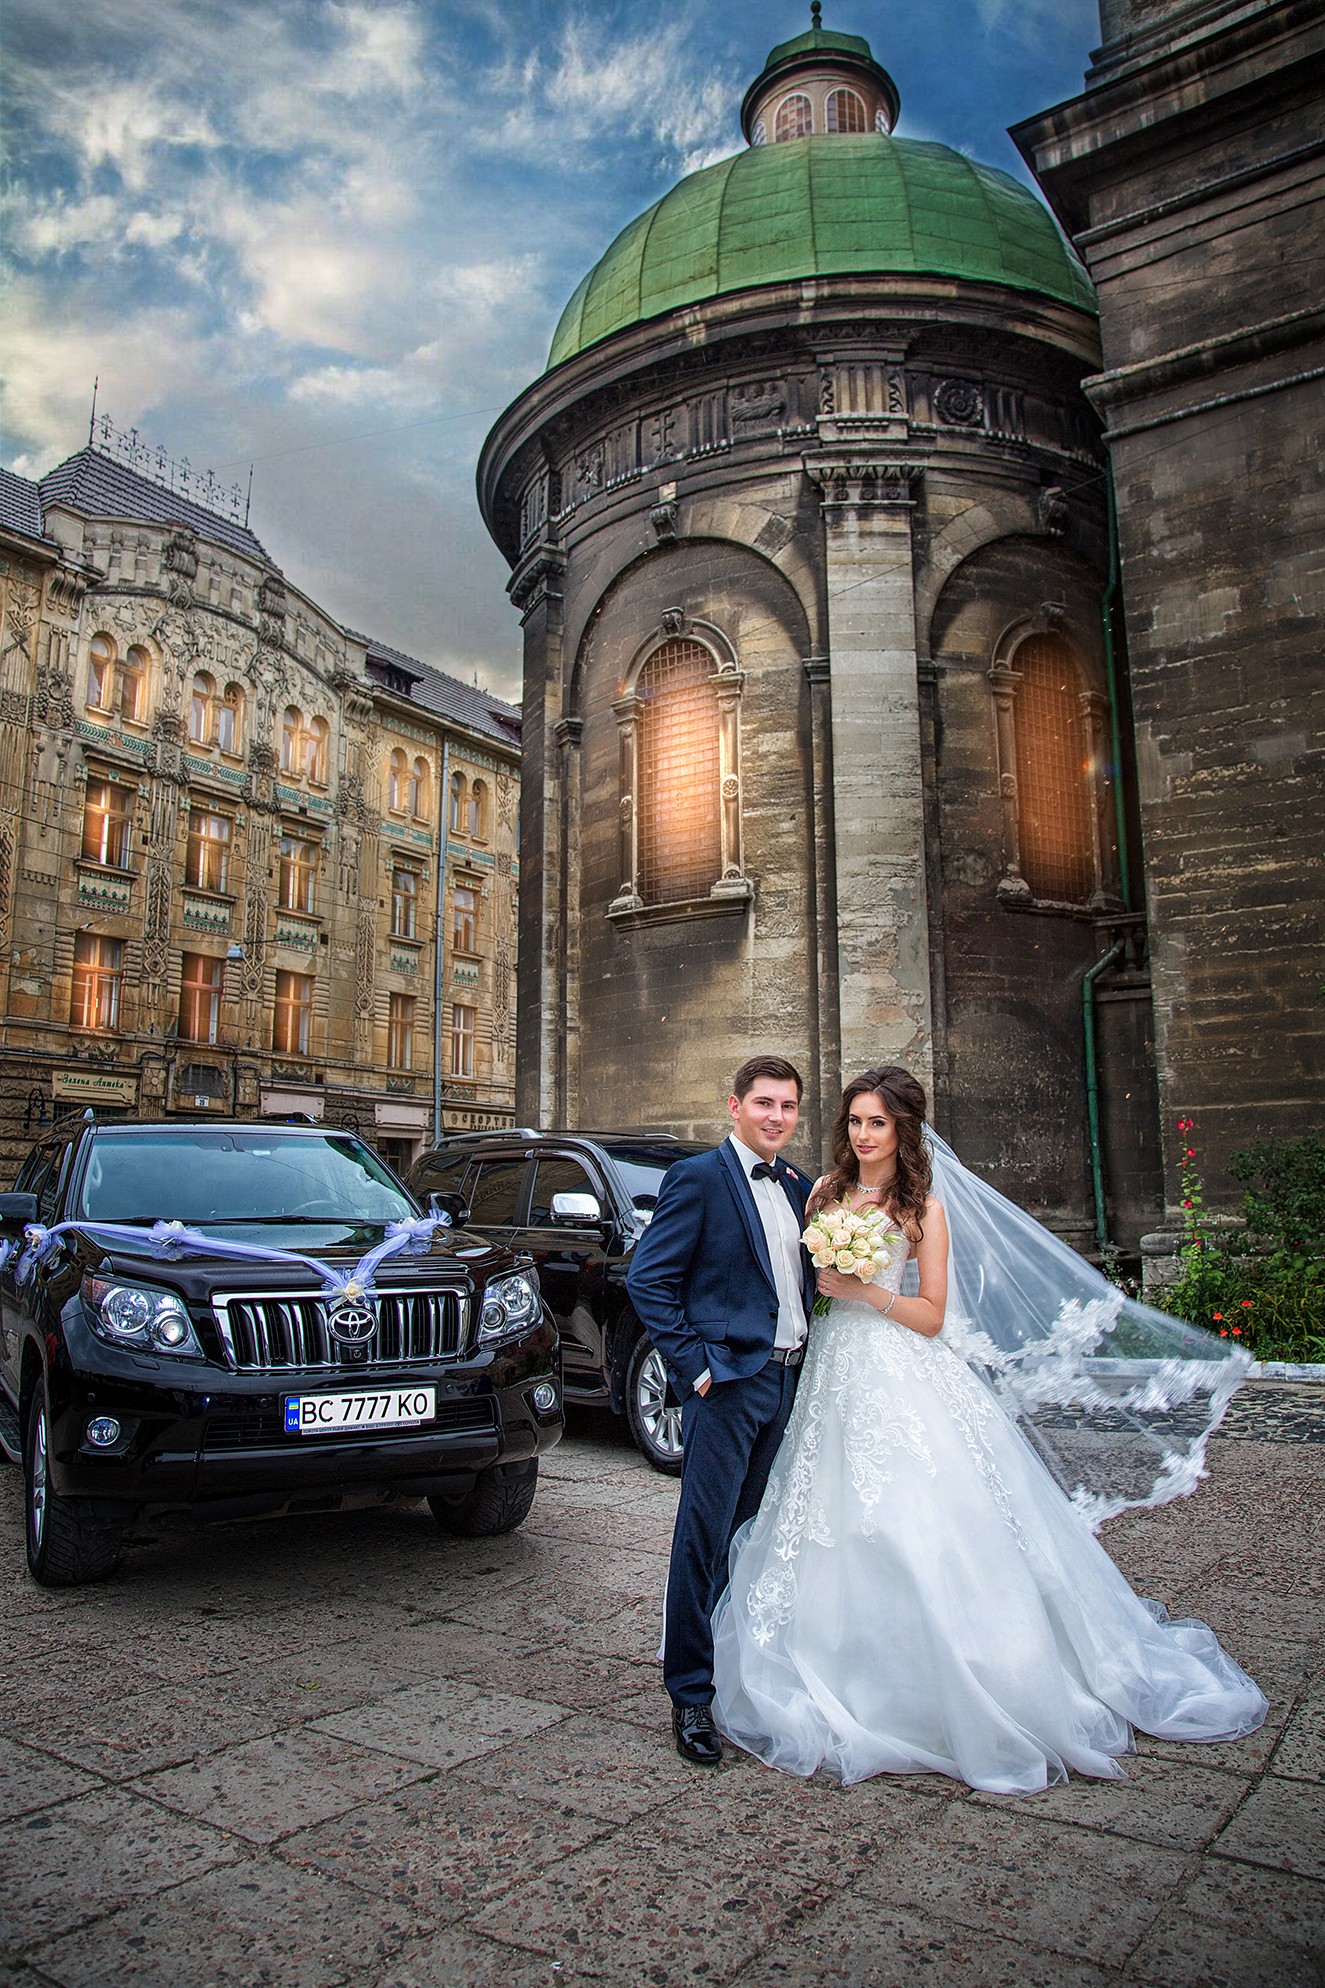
(700, 1278)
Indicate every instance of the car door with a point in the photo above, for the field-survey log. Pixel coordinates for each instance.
(571, 1258)
(495, 1193)
(40, 1174)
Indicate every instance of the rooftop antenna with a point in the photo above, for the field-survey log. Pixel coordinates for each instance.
(249, 499)
(92, 418)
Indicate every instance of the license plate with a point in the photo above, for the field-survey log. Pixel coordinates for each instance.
(386, 1408)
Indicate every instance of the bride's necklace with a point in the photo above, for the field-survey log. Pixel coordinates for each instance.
(866, 1194)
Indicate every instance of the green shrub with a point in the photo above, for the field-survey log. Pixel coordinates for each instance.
(1266, 1286)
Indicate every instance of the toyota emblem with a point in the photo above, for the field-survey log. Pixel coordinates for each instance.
(351, 1322)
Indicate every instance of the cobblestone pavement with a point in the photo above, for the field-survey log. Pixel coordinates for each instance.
(347, 1749)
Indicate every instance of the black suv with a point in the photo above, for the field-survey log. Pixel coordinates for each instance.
(138, 1372)
(577, 1202)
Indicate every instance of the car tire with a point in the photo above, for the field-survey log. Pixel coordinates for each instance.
(499, 1502)
(67, 1547)
(655, 1422)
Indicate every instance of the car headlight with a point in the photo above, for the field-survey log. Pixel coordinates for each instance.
(510, 1304)
(137, 1315)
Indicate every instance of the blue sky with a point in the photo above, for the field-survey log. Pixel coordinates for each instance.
(333, 239)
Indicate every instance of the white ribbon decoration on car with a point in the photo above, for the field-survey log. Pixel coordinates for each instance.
(410, 1237)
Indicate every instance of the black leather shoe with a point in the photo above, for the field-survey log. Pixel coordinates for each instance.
(696, 1735)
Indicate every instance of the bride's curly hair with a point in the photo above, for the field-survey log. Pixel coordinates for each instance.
(904, 1101)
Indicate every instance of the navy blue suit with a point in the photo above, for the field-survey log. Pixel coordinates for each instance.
(702, 1284)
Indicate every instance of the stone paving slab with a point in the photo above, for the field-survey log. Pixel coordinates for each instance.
(352, 1749)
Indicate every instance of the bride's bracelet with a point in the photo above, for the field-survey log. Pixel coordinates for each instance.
(885, 1309)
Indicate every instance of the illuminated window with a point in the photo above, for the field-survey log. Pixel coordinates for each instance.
(464, 919)
(404, 901)
(96, 998)
(292, 734)
(229, 720)
(316, 742)
(463, 1020)
(846, 111)
(101, 674)
(396, 782)
(795, 119)
(292, 1022)
(400, 1032)
(296, 886)
(478, 811)
(133, 684)
(679, 830)
(418, 789)
(1054, 797)
(200, 709)
(200, 998)
(107, 823)
(207, 859)
(457, 814)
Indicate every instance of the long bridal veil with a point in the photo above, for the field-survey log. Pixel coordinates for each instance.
(1118, 1399)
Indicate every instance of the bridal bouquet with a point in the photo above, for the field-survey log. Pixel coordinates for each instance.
(854, 1241)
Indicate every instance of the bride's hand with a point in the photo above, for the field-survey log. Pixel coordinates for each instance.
(838, 1284)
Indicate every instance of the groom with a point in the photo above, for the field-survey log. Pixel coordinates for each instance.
(724, 1289)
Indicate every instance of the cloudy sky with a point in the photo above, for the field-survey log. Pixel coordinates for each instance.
(332, 237)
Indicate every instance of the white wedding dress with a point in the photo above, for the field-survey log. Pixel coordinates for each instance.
(916, 1593)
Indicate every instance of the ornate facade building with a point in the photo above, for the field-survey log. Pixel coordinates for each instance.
(224, 883)
(826, 734)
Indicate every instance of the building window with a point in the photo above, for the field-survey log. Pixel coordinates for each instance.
(228, 720)
(133, 684)
(478, 811)
(207, 861)
(846, 111)
(115, 687)
(396, 782)
(418, 790)
(292, 727)
(200, 709)
(463, 1019)
(292, 1024)
(316, 744)
(200, 999)
(404, 902)
(457, 814)
(679, 834)
(759, 135)
(400, 1032)
(296, 888)
(464, 919)
(795, 119)
(101, 674)
(107, 823)
(96, 1002)
(1053, 774)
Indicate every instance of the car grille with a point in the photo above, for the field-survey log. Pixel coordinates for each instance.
(268, 1332)
(264, 1428)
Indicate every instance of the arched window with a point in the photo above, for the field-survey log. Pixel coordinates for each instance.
(133, 683)
(229, 720)
(418, 789)
(680, 836)
(846, 111)
(759, 136)
(795, 119)
(316, 742)
(457, 814)
(200, 709)
(1055, 798)
(396, 781)
(478, 810)
(101, 674)
(292, 731)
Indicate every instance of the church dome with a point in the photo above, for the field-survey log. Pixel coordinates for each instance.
(840, 205)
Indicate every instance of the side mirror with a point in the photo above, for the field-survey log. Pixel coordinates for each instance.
(16, 1211)
(453, 1209)
(576, 1208)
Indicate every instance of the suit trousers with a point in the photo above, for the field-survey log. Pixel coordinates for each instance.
(731, 1436)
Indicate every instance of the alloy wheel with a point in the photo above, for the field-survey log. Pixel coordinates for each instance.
(660, 1419)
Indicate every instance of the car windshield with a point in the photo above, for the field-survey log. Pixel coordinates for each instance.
(238, 1176)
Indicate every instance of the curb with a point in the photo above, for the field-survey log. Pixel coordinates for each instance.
(1288, 1370)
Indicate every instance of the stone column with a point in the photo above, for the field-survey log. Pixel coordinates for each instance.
(828, 1051)
(884, 1000)
(536, 589)
(569, 732)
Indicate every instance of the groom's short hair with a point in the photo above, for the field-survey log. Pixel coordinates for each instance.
(756, 1067)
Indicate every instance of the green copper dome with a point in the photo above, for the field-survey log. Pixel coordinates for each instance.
(823, 206)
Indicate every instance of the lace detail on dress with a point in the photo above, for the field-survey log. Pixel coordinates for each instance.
(856, 1370)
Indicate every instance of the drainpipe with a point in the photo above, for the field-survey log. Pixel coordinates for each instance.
(1091, 975)
(444, 830)
(1108, 608)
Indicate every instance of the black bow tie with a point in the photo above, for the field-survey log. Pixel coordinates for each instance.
(761, 1170)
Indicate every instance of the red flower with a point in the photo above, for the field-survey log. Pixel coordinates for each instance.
(1246, 1304)
(1191, 1152)
(1186, 1204)
(1222, 1333)
(1237, 1332)
(1217, 1314)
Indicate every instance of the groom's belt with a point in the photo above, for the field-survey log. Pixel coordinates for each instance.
(787, 1356)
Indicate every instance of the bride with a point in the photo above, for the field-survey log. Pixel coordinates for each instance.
(921, 1588)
